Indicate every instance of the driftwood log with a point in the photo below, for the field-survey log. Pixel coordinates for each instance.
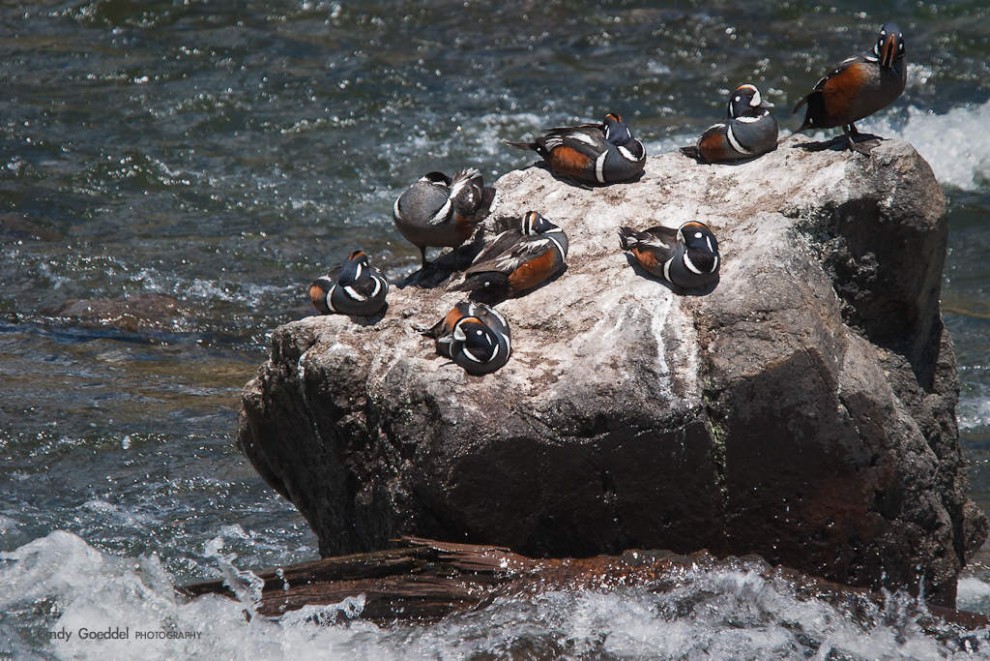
(424, 580)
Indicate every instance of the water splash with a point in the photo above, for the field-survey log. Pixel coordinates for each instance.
(974, 408)
(61, 584)
(955, 144)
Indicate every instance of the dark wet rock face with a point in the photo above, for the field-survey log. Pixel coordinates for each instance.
(802, 410)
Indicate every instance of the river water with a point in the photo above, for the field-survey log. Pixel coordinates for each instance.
(206, 159)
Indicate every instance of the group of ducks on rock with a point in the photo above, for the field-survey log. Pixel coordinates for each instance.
(442, 211)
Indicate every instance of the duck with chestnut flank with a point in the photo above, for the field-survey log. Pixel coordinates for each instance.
(687, 257)
(603, 153)
(858, 87)
(748, 131)
(474, 336)
(517, 260)
(355, 287)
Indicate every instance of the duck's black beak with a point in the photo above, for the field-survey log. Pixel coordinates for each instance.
(889, 51)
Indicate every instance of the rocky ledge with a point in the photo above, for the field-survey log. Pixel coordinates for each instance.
(803, 410)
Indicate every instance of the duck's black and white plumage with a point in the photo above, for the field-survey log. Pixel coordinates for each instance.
(603, 153)
(686, 257)
(517, 260)
(749, 130)
(858, 87)
(355, 287)
(474, 336)
(441, 211)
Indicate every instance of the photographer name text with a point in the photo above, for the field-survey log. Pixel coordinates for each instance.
(117, 633)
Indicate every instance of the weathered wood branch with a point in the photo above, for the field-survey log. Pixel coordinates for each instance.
(424, 580)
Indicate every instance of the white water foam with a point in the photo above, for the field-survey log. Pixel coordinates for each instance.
(956, 144)
(973, 410)
(61, 584)
(973, 594)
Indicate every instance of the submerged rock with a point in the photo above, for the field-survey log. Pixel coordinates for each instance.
(130, 314)
(803, 409)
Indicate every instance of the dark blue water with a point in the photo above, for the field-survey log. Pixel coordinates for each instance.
(205, 160)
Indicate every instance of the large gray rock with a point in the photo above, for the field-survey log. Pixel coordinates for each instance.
(803, 410)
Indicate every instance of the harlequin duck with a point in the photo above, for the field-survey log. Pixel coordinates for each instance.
(858, 87)
(441, 211)
(603, 153)
(355, 287)
(474, 336)
(750, 130)
(517, 261)
(686, 257)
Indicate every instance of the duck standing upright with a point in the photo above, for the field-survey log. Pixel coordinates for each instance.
(355, 287)
(748, 131)
(603, 153)
(440, 211)
(687, 257)
(858, 87)
(517, 260)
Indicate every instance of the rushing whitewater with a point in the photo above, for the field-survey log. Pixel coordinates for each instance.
(724, 614)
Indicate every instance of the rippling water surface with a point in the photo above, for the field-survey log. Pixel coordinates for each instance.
(173, 174)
